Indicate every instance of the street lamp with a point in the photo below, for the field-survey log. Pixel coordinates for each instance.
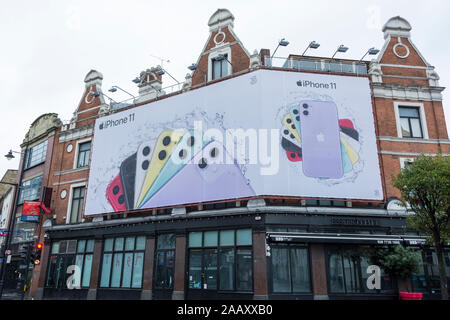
(312, 45)
(10, 156)
(372, 51)
(341, 48)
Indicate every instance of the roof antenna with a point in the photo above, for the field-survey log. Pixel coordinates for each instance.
(161, 59)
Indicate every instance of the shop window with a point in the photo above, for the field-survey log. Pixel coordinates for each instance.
(68, 253)
(123, 262)
(164, 261)
(30, 189)
(221, 260)
(290, 269)
(35, 155)
(427, 280)
(347, 270)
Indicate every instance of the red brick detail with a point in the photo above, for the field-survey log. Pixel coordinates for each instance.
(413, 59)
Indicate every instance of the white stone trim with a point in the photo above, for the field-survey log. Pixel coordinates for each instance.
(400, 44)
(402, 66)
(77, 149)
(70, 181)
(411, 154)
(60, 173)
(69, 204)
(74, 134)
(423, 119)
(404, 77)
(398, 92)
(404, 160)
(429, 141)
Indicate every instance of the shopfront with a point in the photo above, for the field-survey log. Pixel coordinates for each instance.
(235, 256)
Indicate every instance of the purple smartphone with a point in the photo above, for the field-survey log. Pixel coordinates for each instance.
(212, 174)
(321, 145)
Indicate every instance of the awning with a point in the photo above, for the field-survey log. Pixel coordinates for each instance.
(287, 237)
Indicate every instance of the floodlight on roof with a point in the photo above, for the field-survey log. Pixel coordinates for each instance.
(283, 42)
(342, 49)
(312, 45)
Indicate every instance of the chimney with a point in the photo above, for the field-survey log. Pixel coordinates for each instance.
(150, 85)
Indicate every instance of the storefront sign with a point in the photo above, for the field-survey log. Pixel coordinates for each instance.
(354, 221)
(267, 132)
(31, 211)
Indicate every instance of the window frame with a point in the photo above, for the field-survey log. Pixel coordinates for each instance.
(26, 164)
(340, 250)
(235, 247)
(123, 252)
(289, 247)
(77, 153)
(22, 189)
(422, 120)
(69, 206)
(225, 51)
(84, 253)
(164, 251)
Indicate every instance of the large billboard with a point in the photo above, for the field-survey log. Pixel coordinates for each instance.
(265, 133)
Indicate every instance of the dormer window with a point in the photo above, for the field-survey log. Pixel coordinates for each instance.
(219, 67)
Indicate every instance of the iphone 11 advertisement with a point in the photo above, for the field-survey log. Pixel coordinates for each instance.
(265, 133)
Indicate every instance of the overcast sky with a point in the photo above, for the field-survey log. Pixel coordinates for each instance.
(47, 47)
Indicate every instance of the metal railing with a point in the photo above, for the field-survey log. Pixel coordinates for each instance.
(305, 64)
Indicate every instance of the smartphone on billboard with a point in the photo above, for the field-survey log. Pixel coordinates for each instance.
(321, 144)
(212, 175)
(189, 145)
(128, 176)
(164, 146)
(115, 194)
(143, 157)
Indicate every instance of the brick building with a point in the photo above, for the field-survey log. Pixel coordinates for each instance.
(270, 247)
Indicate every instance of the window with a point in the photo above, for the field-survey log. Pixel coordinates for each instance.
(30, 189)
(221, 260)
(290, 270)
(219, 68)
(347, 271)
(77, 204)
(164, 261)
(427, 279)
(35, 155)
(68, 253)
(84, 150)
(123, 262)
(325, 203)
(410, 122)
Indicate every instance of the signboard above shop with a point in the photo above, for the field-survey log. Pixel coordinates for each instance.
(265, 133)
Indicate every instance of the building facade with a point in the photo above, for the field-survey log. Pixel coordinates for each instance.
(32, 179)
(249, 247)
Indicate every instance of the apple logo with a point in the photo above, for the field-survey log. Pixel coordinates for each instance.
(321, 137)
(101, 126)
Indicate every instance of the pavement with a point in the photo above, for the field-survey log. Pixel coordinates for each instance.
(11, 295)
